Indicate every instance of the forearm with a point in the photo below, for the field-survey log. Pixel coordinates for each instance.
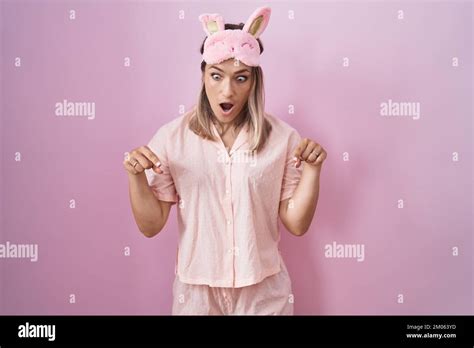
(145, 207)
(302, 205)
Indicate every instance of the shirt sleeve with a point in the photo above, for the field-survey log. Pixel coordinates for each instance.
(162, 184)
(291, 174)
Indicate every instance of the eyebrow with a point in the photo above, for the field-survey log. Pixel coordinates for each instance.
(242, 70)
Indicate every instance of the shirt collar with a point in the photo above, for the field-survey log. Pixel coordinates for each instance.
(241, 139)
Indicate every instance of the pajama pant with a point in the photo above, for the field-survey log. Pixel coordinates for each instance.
(271, 296)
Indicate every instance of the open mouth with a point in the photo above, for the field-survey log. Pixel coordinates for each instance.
(226, 107)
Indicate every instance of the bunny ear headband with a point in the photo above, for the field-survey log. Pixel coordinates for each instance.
(242, 44)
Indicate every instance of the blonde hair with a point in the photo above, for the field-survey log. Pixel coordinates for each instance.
(253, 114)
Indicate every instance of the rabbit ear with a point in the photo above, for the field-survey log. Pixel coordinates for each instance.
(212, 23)
(258, 21)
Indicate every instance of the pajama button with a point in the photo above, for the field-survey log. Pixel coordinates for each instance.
(229, 222)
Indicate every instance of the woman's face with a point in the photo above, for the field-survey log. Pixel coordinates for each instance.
(227, 87)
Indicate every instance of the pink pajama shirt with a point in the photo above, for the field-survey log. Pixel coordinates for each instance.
(227, 210)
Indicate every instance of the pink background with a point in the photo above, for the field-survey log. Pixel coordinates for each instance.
(81, 251)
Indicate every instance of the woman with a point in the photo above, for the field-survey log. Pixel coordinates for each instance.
(233, 170)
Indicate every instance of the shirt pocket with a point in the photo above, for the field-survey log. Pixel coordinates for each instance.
(264, 175)
(192, 172)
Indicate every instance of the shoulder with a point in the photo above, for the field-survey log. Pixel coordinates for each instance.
(280, 127)
(174, 127)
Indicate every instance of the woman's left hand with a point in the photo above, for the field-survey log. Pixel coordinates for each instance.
(309, 152)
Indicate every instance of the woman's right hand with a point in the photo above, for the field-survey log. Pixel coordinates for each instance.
(140, 159)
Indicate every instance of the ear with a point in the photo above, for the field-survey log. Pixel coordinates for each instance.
(212, 23)
(258, 21)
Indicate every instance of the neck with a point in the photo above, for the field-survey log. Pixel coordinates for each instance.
(225, 126)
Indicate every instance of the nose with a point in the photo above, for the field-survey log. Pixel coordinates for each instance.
(227, 88)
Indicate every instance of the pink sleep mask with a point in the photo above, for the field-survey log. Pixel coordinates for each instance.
(242, 45)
